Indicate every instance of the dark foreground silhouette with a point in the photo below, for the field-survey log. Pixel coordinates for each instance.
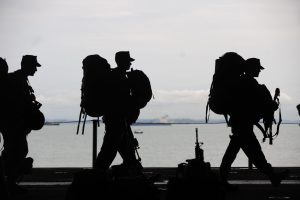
(111, 185)
(3, 76)
(195, 180)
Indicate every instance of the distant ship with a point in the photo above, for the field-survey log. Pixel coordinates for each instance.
(150, 124)
(138, 132)
(52, 123)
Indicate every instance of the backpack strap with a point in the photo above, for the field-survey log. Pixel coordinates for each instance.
(226, 119)
(263, 130)
(207, 113)
(279, 122)
(267, 131)
(84, 120)
(276, 99)
(271, 135)
(79, 120)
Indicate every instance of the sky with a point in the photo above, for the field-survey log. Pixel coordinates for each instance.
(174, 42)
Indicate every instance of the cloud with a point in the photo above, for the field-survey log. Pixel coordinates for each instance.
(180, 96)
(60, 99)
(192, 104)
(60, 104)
(285, 97)
(176, 104)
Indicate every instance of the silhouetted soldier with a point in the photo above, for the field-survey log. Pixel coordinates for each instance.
(242, 119)
(17, 127)
(3, 79)
(3, 68)
(118, 134)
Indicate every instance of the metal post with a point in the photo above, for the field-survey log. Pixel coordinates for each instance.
(95, 124)
(250, 164)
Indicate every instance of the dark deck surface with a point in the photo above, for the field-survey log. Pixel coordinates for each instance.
(52, 183)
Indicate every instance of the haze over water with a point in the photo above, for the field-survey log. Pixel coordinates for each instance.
(160, 146)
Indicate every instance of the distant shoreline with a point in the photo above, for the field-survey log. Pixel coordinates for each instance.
(150, 122)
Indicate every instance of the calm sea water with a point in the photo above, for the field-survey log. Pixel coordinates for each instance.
(160, 146)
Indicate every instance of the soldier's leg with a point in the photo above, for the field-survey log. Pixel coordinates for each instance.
(15, 151)
(127, 152)
(229, 157)
(109, 146)
(253, 150)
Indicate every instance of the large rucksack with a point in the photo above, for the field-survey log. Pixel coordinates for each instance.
(94, 87)
(224, 86)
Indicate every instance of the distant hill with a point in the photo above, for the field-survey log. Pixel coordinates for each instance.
(169, 121)
(180, 121)
(200, 121)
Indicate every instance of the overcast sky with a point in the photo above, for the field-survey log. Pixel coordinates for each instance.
(174, 42)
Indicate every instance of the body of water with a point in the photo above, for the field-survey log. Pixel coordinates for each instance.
(160, 146)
